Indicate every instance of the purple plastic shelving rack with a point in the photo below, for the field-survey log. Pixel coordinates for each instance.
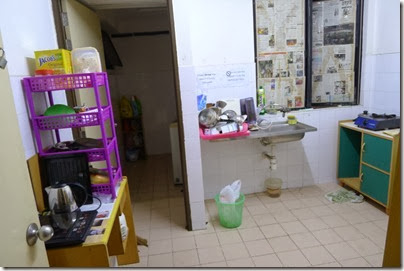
(95, 116)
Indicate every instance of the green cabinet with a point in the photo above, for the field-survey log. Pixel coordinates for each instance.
(377, 152)
(349, 153)
(366, 161)
(375, 184)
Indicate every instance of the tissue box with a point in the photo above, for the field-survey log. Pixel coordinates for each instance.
(57, 60)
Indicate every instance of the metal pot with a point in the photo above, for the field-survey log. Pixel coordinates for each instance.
(209, 117)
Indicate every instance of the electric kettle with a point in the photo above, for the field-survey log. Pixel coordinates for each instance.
(62, 204)
(61, 199)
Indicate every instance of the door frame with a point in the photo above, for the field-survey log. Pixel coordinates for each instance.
(180, 118)
(63, 42)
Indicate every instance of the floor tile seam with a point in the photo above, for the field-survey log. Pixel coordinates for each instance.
(342, 243)
(295, 246)
(249, 256)
(172, 241)
(355, 266)
(321, 245)
(280, 224)
(227, 263)
(252, 228)
(371, 263)
(382, 249)
(319, 239)
(196, 243)
(197, 254)
(221, 249)
(316, 216)
(172, 258)
(274, 253)
(267, 241)
(291, 251)
(172, 247)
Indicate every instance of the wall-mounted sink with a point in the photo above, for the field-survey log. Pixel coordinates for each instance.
(281, 132)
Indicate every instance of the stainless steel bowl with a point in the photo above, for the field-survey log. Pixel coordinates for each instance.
(208, 117)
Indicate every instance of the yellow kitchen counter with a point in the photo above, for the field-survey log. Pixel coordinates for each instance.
(97, 249)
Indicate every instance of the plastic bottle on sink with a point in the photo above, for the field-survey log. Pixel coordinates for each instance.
(261, 100)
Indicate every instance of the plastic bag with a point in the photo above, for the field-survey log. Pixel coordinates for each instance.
(230, 193)
(236, 186)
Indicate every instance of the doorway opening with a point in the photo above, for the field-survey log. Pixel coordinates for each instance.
(139, 59)
(148, 141)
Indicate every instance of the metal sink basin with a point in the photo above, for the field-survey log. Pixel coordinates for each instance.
(281, 132)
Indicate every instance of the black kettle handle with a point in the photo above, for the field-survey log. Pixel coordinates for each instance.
(84, 190)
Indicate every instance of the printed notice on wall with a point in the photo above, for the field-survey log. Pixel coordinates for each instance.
(210, 77)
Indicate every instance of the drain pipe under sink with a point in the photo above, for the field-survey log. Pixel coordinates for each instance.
(272, 159)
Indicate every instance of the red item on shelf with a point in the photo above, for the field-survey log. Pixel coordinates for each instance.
(244, 132)
(43, 72)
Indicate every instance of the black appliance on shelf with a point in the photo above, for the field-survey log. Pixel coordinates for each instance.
(377, 122)
(74, 235)
(67, 168)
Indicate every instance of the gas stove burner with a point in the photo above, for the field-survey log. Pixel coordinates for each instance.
(377, 122)
(384, 116)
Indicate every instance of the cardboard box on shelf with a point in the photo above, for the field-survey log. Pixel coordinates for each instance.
(58, 60)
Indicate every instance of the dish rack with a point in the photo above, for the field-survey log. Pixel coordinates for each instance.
(94, 116)
(243, 133)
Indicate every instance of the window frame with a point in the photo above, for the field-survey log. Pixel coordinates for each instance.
(308, 55)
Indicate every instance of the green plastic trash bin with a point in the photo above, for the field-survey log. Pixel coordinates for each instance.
(230, 214)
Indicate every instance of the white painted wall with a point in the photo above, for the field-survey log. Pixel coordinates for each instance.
(382, 55)
(214, 34)
(147, 72)
(312, 160)
(27, 26)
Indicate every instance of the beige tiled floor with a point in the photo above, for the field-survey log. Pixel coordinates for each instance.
(298, 229)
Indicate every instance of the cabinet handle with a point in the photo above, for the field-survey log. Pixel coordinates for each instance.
(361, 177)
(363, 147)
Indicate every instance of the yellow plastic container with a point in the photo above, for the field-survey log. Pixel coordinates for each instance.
(57, 60)
(292, 120)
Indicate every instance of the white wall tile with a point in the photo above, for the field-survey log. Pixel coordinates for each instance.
(244, 164)
(211, 164)
(182, 32)
(327, 119)
(198, 215)
(26, 135)
(295, 157)
(260, 161)
(191, 126)
(192, 149)
(387, 82)
(209, 41)
(19, 95)
(187, 78)
(260, 175)
(295, 175)
(390, 63)
(310, 173)
(189, 103)
(195, 180)
(311, 154)
(21, 37)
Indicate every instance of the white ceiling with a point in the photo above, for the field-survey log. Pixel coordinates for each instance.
(119, 4)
